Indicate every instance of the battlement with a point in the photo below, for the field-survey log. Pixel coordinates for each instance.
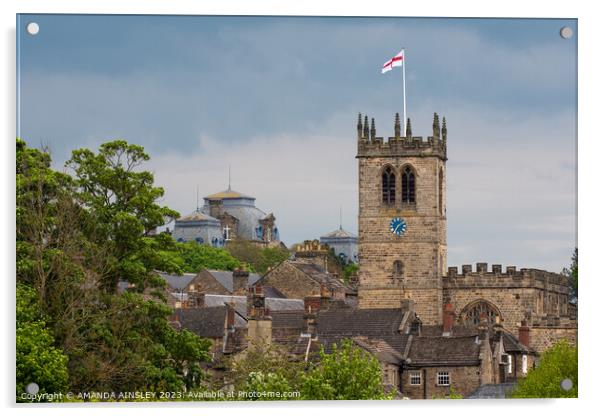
(482, 273)
(369, 144)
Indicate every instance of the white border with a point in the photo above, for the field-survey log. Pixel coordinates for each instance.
(589, 186)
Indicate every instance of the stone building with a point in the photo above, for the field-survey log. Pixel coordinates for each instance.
(403, 245)
(343, 243)
(227, 216)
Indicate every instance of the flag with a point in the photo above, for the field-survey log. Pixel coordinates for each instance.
(397, 60)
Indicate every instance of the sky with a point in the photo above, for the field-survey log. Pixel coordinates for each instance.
(277, 98)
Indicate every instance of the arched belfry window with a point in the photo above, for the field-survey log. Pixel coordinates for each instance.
(408, 186)
(388, 186)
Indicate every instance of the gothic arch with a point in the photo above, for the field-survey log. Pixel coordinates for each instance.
(388, 183)
(408, 184)
(471, 314)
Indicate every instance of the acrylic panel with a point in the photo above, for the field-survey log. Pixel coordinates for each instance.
(243, 208)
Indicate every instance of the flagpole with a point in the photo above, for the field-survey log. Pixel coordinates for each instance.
(403, 75)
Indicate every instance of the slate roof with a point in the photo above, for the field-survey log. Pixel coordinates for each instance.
(177, 282)
(288, 319)
(379, 348)
(492, 391)
(430, 351)
(336, 324)
(318, 274)
(512, 344)
(205, 322)
(225, 279)
(240, 302)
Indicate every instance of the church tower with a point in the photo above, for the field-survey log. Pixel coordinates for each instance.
(402, 221)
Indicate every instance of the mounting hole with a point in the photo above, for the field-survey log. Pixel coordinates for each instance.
(33, 28)
(566, 384)
(566, 32)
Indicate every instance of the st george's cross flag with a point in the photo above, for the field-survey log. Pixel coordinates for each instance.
(397, 60)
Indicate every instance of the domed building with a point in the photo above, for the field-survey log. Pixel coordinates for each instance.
(227, 216)
(344, 244)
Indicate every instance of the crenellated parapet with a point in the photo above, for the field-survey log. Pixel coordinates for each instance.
(511, 277)
(371, 145)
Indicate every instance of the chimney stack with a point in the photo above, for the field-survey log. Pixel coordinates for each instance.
(448, 318)
(240, 281)
(324, 297)
(524, 334)
(230, 315)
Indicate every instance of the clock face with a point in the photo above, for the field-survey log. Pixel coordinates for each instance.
(398, 226)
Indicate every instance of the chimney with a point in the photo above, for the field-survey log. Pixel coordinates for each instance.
(448, 318)
(324, 297)
(196, 299)
(524, 334)
(259, 324)
(312, 303)
(240, 281)
(256, 302)
(230, 311)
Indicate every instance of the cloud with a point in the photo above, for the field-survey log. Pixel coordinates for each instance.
(277, 100)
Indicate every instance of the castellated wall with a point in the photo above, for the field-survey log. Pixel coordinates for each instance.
(535, 295)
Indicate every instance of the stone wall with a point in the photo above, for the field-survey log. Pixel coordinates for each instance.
(422, 248)
(463, 379)
(543, 337)
(525, 294)
(291, 282)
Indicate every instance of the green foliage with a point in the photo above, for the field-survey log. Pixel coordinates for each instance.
(349, 270)
(266, 386)
(195, 257)
(259, 258)
(263, 367)
(453, 394)
(38, 360)
(123, 204)
(544, 381)
(348, 373)
(76, 237)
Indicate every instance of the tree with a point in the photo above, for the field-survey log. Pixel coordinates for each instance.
(196, 257)
(348, 373)
(38, 360)
(259, 258)
(572, 273)
(544, 381)
(349, 270)
(123, 202)
(76, 237)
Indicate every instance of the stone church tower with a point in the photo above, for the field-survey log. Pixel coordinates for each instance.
(402, 221)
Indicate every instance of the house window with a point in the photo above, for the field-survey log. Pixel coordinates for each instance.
(388, 186)
(509, 364)
(525, 366)
(443, 378)
(415, 378)
(199, 240)
(408, 186)
(180, 240)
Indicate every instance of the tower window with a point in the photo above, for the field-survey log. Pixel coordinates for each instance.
(388, 186)
(408, 186)
(398, 269)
